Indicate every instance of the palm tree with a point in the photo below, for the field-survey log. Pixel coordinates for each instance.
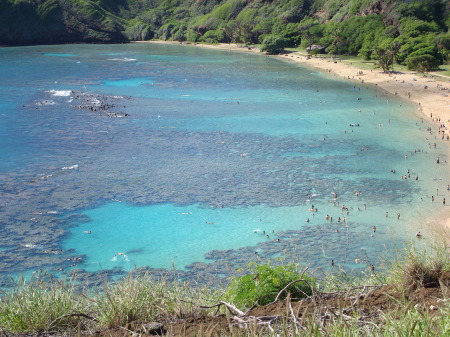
(337, 39)
(309, 40)
(392, 52)
(386, 56)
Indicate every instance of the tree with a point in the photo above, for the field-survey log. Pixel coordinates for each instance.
(443, 46)
(392, 52)
(307, 40)
(386, 56)
(422, 63)
(273, 44)
(337, 41)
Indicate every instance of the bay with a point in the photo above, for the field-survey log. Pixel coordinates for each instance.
(115, 157)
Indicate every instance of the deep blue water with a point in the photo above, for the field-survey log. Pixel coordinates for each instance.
(201, 150)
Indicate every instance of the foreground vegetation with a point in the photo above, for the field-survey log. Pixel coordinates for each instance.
(48, 305)
(414, 33)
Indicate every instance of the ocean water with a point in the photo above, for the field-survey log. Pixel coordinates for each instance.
(116, 157)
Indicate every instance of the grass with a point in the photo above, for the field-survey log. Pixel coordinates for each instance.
(420, 268)
(45, 304)
(34, 305)
(444, 70)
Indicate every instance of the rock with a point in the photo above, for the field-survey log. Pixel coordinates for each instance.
(152, 328)
(444, 283)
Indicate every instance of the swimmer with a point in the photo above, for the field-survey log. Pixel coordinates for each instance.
(418, 234)
(374, 228)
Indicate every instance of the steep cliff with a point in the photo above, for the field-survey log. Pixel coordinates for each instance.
(58, 21)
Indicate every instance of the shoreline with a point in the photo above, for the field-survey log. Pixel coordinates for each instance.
(430, 92)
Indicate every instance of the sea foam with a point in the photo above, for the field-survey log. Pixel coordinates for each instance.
(63, 93)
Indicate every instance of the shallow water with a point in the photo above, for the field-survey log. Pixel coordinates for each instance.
(215, 156)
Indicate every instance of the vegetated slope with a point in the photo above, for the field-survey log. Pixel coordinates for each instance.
(59, 21)
(411, 32)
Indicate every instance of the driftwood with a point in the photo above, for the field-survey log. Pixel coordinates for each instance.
(242, 319)
(71, 315)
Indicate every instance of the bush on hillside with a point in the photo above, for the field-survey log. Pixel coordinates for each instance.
(264, 282)
(273, 44)
(422, 63)
(138, 32)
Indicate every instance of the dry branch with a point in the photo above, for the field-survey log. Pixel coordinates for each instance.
(71, 315)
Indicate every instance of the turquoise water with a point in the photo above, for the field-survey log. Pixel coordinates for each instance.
(216, 160)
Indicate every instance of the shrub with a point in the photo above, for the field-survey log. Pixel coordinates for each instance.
(212, 36)
(273, 44)
(422, 63)
(138, 32)
(264, 283)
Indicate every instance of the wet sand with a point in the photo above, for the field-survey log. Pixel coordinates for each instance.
(431, 93)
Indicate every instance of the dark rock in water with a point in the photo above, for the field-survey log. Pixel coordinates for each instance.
(101, 104)
(135, 251)
(218, 254)
(78, 218)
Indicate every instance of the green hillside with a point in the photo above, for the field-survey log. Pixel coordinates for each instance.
(410, 32)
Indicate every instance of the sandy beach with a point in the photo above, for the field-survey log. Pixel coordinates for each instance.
(431, 93)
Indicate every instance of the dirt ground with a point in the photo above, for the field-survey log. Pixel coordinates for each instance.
(365, 303)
